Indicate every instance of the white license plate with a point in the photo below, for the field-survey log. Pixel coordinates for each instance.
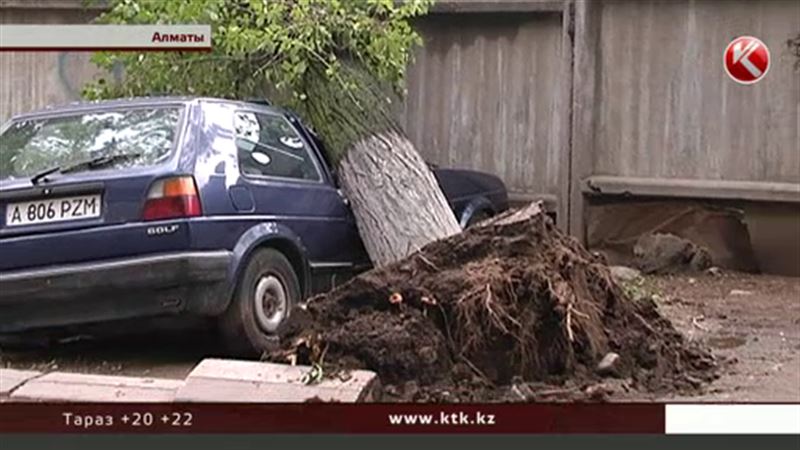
(53, 210)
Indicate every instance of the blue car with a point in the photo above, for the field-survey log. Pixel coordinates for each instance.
(147, 207)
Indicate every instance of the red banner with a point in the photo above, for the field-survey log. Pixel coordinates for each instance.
(329, 418)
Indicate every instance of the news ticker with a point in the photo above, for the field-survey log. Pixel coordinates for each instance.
(188, 418)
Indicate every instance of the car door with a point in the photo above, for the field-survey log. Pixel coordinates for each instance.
(290, 184)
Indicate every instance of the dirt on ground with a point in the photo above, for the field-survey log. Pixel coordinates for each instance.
(149, 350)
(750, 322)
(510, 310)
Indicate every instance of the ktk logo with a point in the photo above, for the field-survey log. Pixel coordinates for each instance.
(746, 60)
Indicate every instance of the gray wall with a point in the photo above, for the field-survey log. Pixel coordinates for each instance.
(488, 92)
(667, 109)
(31, 80)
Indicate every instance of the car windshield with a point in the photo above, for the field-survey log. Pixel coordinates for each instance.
(28, 147)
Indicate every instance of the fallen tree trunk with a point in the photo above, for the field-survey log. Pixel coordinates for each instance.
(397, 202)
(395, 198)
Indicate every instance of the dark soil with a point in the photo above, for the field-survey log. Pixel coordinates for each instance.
(509, 310)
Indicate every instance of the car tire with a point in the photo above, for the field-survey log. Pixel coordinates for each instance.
(478, 216)
(266, 292)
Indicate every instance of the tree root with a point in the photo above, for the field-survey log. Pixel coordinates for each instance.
(511, 299)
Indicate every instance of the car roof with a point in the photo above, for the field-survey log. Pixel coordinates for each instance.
(134, 102)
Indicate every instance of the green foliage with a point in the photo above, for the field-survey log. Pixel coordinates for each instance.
(263, 47)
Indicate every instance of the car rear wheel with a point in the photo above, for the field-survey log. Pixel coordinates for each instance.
(266, 292)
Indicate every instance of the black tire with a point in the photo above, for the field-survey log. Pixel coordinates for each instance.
(479, 216)
(243, 327)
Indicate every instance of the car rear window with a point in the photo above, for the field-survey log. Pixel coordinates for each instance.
(28, 147)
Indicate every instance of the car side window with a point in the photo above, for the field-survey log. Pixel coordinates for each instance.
(267, 145)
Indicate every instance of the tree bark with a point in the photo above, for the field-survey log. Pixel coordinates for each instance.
(398, 205)
(396, 200)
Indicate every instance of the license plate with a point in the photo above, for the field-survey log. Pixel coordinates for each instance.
(53, 210)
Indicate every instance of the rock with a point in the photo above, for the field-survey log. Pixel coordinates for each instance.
(614, 228)
(623, 274)
(701, 259)
(608, 365)
(667, 253)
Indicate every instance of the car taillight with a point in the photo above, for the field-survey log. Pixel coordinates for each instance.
(172, 197)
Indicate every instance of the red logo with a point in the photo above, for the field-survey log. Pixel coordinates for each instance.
(746, 60)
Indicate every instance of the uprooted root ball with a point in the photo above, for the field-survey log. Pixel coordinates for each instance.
(510, 299)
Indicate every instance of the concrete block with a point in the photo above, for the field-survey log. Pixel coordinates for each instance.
(11, 379)
(219, 380)
(77, 387)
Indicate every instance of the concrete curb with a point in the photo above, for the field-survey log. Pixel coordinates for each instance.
(212, 380)
(11, 379)
(217, 380)
(78, 387)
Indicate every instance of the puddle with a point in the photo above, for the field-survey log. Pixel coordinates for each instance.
(724, 342)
